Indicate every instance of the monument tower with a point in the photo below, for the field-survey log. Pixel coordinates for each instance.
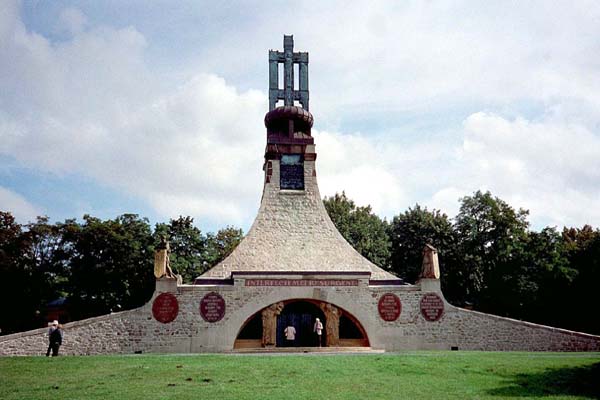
(292, 231)
(293, 240)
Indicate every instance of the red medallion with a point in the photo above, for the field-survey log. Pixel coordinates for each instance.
(165, 308)
(389, 307)
(432, 307)
(212, 307)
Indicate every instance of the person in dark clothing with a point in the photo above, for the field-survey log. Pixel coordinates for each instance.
(55, 336)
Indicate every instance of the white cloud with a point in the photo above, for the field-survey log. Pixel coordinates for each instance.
(72, 21)
(18, 206)
(386, 175)
(90, 106)
(352, 163)
(93, 104)
(548, 167)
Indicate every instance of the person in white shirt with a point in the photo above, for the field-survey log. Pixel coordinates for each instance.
(290, 335)
(318, 329)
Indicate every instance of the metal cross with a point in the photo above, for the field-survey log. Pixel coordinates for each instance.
(288, 58)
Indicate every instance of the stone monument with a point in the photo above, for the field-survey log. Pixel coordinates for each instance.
(292, 267)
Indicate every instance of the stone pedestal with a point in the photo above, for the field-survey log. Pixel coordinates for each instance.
(430, 285)
(166, 284)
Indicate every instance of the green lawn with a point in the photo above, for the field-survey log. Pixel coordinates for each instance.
(414, 375)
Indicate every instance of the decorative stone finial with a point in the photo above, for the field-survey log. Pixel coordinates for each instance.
(431, 265)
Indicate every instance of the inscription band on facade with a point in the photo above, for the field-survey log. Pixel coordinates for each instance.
(301, 282)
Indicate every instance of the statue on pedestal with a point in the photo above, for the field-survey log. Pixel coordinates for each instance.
(431, 265)
(161, 260)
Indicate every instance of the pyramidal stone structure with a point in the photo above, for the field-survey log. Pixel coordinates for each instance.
(294, 269)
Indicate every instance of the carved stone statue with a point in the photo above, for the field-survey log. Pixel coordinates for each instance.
(269, 320)
(431, 265)
(161, 260)
(332, 324)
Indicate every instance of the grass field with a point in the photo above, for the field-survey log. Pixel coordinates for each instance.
(415, 375)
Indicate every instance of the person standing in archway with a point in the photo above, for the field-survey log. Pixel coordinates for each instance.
(290, 336)
(318, 329)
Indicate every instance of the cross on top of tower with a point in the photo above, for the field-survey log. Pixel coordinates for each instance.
(288, 93)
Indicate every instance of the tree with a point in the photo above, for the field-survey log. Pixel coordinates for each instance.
(545, 272)
(365, 231)
(220, 245)
(492, 236)
(30, 266)
(15, 276)
(410, 231)
(111, 264)
(581, 300)
(192, 253)
(188, 246)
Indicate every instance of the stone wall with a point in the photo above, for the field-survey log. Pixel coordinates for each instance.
(137, 331)
(108, 334)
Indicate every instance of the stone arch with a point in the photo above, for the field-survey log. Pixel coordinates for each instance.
(347, 330)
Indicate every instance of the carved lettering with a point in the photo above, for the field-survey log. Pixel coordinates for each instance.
(389, 307)
(432, 307)
(212, 307)
(301, 282)
(165, 308)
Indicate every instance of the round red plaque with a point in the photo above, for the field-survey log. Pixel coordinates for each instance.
(212, 307)
(389, 307)
(432, 307)
(165, 308)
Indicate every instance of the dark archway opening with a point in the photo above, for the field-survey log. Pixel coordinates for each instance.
(253, 329)
(301, 315)
(348, 329)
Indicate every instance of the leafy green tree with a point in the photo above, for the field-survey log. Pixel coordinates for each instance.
(492, 237)
(410, 231)
(188, 246)
(193, 253)
(365, 231)
(220, 245)
(583, 254)
(111, 266)
(15, 275)
(30, 267)
(545, 271)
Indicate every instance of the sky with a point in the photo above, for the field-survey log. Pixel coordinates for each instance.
(156, 108)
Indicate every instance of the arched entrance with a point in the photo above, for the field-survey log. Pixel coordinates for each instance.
(266, 327)
(301, 315)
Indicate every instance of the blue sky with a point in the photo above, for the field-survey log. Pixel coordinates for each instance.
(157, 108)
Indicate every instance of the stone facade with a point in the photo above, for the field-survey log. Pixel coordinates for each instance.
(137, 331)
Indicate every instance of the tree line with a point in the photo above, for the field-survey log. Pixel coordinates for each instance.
(98, 266)
(490, 260)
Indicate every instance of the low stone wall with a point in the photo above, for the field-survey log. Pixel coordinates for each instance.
(107, 334)
(472, 330)
(137, 331)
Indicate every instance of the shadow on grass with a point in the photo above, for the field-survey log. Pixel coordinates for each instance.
(578, 381)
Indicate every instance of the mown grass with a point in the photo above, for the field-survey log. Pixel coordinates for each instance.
(415, 375)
